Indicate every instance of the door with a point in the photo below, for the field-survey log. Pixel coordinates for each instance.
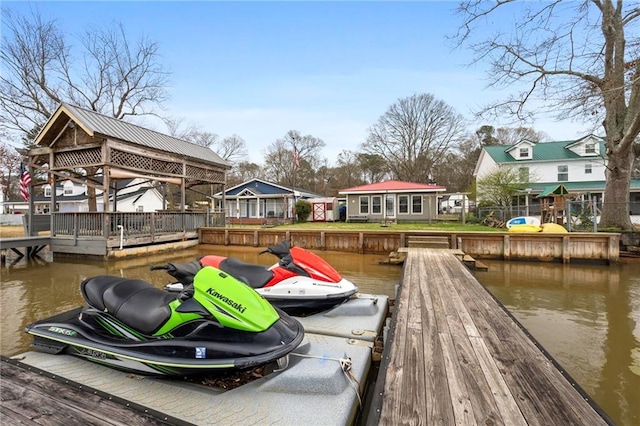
(319, 213)
(390, 206)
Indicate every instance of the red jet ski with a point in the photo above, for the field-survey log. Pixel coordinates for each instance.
(300, 282)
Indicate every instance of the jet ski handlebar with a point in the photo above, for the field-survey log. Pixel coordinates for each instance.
(183, 272)
(280, 250)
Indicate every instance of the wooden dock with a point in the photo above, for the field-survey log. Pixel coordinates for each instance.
(32, 245)
(33, 397)
(454, 355)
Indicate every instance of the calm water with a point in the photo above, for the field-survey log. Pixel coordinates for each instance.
(587, 317)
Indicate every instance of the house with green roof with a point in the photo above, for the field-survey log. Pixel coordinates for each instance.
(579, 165)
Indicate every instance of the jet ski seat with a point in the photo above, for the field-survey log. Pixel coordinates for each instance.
(134, 302)
(254, 275)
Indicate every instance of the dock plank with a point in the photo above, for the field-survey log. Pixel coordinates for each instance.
(479, 375)
(477, 364)
(30, 398)
(438, 410)
(395, 372)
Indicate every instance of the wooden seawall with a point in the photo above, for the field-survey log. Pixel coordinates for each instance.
(455, 356)
(538, 246)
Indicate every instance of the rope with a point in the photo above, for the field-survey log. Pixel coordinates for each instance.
(345, 366)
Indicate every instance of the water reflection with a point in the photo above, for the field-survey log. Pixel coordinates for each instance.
(587, 317)
(32, 290)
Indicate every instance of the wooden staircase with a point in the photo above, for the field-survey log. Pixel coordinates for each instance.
(428, 241)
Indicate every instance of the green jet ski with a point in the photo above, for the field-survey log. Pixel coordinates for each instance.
(218, 323)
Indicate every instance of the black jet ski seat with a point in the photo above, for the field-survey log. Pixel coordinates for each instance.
(136, 303)
(254, 275)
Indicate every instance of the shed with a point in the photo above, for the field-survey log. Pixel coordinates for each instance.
(324, 209)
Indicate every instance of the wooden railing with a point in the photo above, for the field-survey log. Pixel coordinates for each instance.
(132, 224)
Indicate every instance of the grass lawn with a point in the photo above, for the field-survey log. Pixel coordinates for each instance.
(395, 227)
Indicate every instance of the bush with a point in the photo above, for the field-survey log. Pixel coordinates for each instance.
(303, 210)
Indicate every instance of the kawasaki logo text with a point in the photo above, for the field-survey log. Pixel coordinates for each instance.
(226, 300)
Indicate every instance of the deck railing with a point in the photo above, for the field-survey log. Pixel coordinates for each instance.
(132, 224)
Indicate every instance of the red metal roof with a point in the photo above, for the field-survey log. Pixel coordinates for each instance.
(395, 186)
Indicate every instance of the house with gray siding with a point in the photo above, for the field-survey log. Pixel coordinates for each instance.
(392, 200)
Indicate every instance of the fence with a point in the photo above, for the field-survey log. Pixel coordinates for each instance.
(579, 215)
(110, 224)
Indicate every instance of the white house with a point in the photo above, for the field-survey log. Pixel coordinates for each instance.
(133, 195)
(578, 165)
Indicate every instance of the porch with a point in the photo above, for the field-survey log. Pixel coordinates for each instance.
(99, 233)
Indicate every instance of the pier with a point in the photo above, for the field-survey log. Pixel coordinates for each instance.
(456, 356)
(31, 245)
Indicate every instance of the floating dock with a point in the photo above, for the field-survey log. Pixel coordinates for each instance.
(322, 384)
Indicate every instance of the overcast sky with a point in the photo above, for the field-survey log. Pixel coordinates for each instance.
(328, 69)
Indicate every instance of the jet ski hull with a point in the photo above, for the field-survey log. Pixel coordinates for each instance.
(296, 304)
(205, 349)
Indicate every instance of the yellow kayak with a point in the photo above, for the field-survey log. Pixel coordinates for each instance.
(525, 228)
(554, 228)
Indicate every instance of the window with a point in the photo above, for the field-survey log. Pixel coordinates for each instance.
(416, 204)
(563, 173)
(140, 209)
(590, 148)
(376, 204)
(523, 174)
(47, 191)
(68, 190)
(524, 153)
(364, 205)
(403, 204)
(587, 169)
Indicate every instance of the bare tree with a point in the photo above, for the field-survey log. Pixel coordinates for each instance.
(232, 148)
(115, 77)
(242, 172)
(513, 135)
(577, 57)
(9, 170)
(347, 172)
(373, 166)
(456, 169)
(178, 127)
(280, 159)
(414, 135)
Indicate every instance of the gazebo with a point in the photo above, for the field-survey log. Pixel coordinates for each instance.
(87, 147)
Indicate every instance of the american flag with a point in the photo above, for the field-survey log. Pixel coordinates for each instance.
(25, 182)
(296, 157)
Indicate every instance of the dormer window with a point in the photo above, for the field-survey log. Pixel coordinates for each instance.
(47, 191)
(590, 148)
(524, 152)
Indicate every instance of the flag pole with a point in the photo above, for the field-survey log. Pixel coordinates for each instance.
(293, 179)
